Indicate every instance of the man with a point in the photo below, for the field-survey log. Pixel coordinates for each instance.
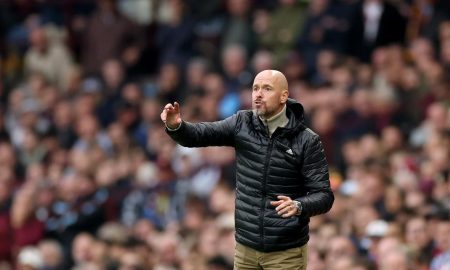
(281, 175)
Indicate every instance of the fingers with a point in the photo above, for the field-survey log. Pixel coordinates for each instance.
(170, 115)
(286, 210)
(275, 203)
(174, 105)
(285, 207)
(170, 109)
(290, 213)
(278, 204)
(166, 109)
(282, 201)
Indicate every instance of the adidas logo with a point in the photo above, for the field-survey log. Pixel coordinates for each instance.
(289, 151)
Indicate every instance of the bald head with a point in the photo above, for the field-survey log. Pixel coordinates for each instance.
(270, 93)
(278, 78)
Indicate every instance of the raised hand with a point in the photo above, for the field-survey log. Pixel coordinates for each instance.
(171, 115)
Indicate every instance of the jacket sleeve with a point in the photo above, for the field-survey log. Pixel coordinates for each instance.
(319, 197)
(219, 133)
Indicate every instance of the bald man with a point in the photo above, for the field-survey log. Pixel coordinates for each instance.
(281, 173)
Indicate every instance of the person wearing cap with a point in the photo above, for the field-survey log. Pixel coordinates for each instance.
(281, 177)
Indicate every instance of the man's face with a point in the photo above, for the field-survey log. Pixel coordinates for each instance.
(269, 94)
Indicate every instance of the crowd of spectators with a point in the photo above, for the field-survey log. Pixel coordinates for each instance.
(89, 180)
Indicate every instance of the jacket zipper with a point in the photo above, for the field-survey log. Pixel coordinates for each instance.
(263, 201)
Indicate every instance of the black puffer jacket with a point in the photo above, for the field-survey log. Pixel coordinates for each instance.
(290, 163)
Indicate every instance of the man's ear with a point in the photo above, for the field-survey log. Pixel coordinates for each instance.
(284, 96)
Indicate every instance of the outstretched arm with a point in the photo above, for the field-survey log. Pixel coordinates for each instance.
(219, 133)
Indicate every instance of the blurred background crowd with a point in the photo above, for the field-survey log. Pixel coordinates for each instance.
(89, 180)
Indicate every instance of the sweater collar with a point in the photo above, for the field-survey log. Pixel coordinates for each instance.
(278, 120)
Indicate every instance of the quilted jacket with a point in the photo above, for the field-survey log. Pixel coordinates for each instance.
(291, 162)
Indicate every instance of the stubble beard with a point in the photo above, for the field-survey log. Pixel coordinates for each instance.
(261, 112)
